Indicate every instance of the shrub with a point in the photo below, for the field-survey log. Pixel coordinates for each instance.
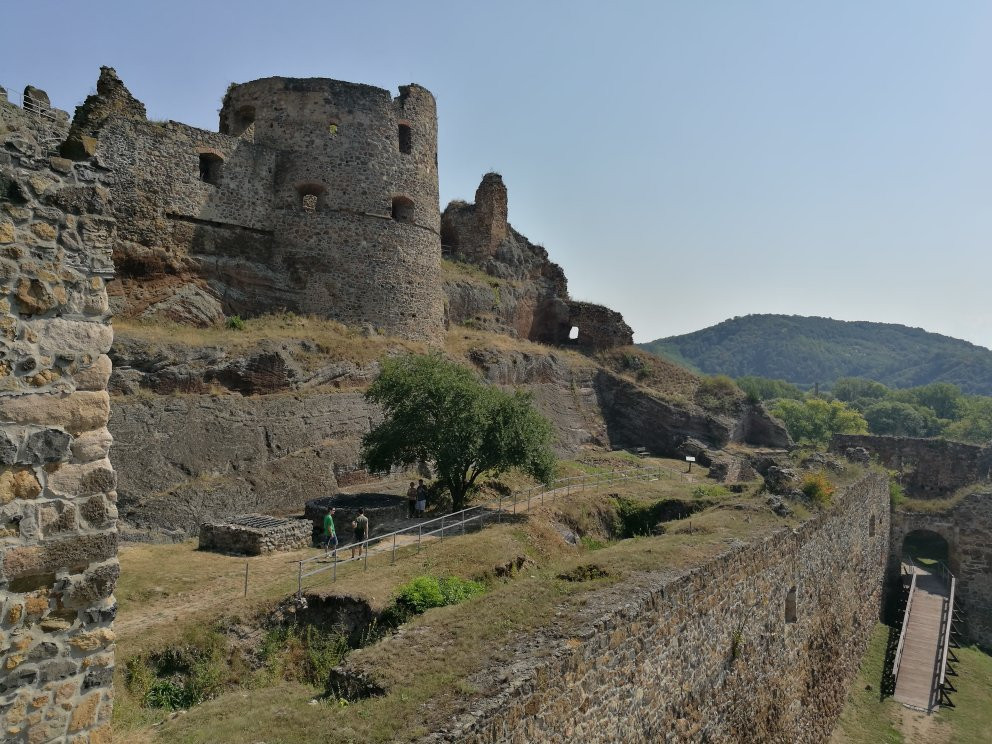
(710, 492)
(306, 655)
(896, 494)
(425, 592)
(591, 543)
(235, 323)
(718, 393)
(817, 487)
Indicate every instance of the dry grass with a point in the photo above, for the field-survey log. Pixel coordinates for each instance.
(460, 340)
(935, 506)
(431, 669)
(329, 338)
(665, 377)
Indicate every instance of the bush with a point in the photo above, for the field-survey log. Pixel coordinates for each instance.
(896, 494)
(710, 492)
(817, 487)
(235, 323)
(181, 676)
(426, 592)
(305, 655)
(718, 393)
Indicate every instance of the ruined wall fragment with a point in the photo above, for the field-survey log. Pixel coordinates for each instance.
(58, 536)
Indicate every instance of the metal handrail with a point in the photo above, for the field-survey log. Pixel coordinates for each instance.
(947, 634)
(905, 625)
(558, 486)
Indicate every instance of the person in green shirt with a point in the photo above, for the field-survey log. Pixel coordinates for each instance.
(330, 536)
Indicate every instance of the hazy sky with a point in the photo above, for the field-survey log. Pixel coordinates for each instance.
(685, 162)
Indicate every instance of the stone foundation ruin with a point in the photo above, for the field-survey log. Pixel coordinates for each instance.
(255, 534)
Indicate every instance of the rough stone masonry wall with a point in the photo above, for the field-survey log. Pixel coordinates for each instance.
(928, 468)
(967, 528)
(711, 655)
(58, 540)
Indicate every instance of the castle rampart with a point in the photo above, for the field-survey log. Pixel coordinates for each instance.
(757, 645)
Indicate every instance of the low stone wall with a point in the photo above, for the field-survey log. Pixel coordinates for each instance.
(758, 645)
(928, 468)
(967, 528)
(383, 511)
(254, 534)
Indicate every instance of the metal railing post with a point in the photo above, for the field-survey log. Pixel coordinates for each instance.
(394, 547)
(299, 582)
(335, 569)
(442, 528)
(499, 512)
(463, 524)
(420, 531)
(366, 561)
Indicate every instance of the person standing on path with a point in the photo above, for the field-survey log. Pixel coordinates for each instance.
(361, 525)
(330, 535)
(411, 501)
(421, 498)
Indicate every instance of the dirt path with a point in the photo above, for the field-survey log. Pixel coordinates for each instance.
(919, 728)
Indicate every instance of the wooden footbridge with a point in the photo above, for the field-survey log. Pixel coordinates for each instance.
(921, 664)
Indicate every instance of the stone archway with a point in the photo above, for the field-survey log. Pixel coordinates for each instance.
(926, 547)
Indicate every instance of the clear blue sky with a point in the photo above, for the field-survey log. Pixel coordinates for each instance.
(685, 162)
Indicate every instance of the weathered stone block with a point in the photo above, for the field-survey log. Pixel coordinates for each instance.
(76, 412)
(18, 483)
(73, 480)
(8, 449)
(46, 446)
(96, 376)
(92, 586)
(68, 338)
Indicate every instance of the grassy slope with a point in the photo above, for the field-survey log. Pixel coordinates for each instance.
(869, 720)
(430, 681)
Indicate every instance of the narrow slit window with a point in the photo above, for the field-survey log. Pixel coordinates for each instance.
(791, 613)
(211, 168)
(871, 526)
(406, 139)
(402, 209)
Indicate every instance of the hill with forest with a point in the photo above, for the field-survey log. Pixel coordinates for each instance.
(809, 350)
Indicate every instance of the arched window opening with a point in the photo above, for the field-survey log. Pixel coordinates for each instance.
(402, 209)
(244, 123)
(791, 614)
(406, 139)
(211, 168)
(871, 526)
(573, 334)
(310, 197)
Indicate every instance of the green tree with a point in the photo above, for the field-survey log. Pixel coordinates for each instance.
(438, 411)
(850, 389)
(899, 419)
(761, 388)
(975, 425)
(814, 420)
(944, 398)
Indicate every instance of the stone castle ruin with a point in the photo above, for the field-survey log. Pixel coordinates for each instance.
(319, 197)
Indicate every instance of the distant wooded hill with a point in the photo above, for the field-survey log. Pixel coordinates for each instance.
(806, 350)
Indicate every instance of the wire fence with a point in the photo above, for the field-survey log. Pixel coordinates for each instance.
(414, 538)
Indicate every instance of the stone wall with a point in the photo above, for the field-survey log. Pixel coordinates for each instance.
(724, 653)
(58, 540)
(928, 468)
(528, 294)
(254, 534)
(967, 528)
(317, 196)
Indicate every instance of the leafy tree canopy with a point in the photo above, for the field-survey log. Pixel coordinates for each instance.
(900, 419)
(814, 420)
(438, 411)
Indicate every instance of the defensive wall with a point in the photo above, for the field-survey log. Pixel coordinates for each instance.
(758, 645)
(58, 536)
(928, 468)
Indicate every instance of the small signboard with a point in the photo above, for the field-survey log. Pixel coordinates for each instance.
(690, 458)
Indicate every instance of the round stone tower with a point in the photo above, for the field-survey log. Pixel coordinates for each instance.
(355, 211)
